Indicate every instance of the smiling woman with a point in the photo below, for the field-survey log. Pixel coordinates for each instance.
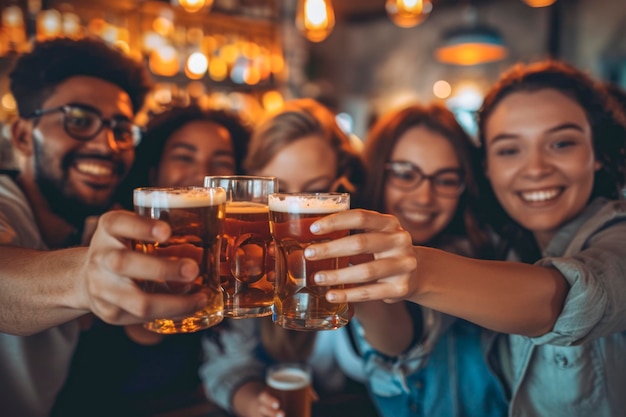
(553, 148)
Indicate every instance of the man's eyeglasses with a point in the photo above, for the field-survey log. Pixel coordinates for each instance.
(84, 123)
(406, 176)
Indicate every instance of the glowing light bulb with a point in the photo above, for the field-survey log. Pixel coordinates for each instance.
(539, 3)
(408, 13)
(192, 6)
(315, 19)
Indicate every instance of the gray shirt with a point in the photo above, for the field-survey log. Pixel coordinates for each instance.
(32, 368)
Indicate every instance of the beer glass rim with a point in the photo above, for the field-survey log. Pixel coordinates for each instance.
(217, 195)
(172, 189)
(240, 177)
(305, 194)
(305, 368)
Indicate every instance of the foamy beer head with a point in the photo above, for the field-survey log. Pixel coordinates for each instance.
(309, 203)
(196, 218)
(246, 262)
(299, 303)
(290, 384)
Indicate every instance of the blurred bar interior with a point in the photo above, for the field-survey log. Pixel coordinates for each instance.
(360, 57)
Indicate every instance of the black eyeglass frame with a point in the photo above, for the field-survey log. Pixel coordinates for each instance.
(389, 167)
(136, 131)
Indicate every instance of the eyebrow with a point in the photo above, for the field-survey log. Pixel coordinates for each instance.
(563, 126)
(193, 148)
(96, 110)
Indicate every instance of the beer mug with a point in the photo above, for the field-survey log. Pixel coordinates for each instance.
(299, 303)
(291, 384)
(196, 217)
(246, 262)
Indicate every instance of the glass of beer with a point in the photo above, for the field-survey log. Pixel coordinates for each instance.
(299, 303)
(196, 217)
(246, 261)
(290, 383)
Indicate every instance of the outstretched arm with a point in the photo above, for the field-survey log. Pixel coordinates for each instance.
(503, 296)
(39, 290)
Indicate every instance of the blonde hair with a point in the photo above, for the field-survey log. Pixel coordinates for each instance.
(296, 120)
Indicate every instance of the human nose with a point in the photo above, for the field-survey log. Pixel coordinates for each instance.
(537, 164)
(105, 139)
(423, 192)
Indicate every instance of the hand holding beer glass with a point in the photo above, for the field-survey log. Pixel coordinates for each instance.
(196, 217)
(300, 303)
(290, 384)
(245, 259)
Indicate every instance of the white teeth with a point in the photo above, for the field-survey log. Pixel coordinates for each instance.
(94, 169)
(417, 217)
(538, 196)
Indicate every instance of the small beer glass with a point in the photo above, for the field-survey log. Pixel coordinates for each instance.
(246, 262)
(299, 303)
(196, 217)
(290, 383)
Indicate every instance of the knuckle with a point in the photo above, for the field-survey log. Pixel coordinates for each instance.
(115, 260)
(370, 271)
(360, 242)
(107, 220)
(403, 239)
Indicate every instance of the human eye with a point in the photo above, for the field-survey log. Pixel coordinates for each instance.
(449, 180)
(403, 173)
(506, 151)
(564, 143)
(182, 157)
(77, 119)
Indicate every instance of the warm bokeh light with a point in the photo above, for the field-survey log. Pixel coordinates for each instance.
(49, 24)
(8, 102)
(272, 101)
(197, 64)
(152, 41)
(12, 17)
(408, 13)
(195, 35)
(539, 3)
(315, 19)
(164, 61)
(71, 25)
(251, 75)
(442, 89)
(163, 25)
(122, 46)
(192, 6)
(218, 69)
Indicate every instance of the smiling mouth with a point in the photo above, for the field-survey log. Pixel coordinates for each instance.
(541, 196)
(414, 217)
(94, 169)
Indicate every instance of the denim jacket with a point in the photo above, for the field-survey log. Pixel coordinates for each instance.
(579, 368)
(444, 376)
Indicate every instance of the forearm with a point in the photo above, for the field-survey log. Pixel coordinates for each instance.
(507, 297)
(32, 301)
(388, 327)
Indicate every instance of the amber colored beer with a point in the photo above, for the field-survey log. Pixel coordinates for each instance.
(299, 303)
(196, 217)
(291, 385)
(245, 261)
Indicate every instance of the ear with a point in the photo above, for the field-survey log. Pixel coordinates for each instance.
(22, 136)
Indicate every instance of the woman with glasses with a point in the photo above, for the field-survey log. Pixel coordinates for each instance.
(427, 163)
(553, 152)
